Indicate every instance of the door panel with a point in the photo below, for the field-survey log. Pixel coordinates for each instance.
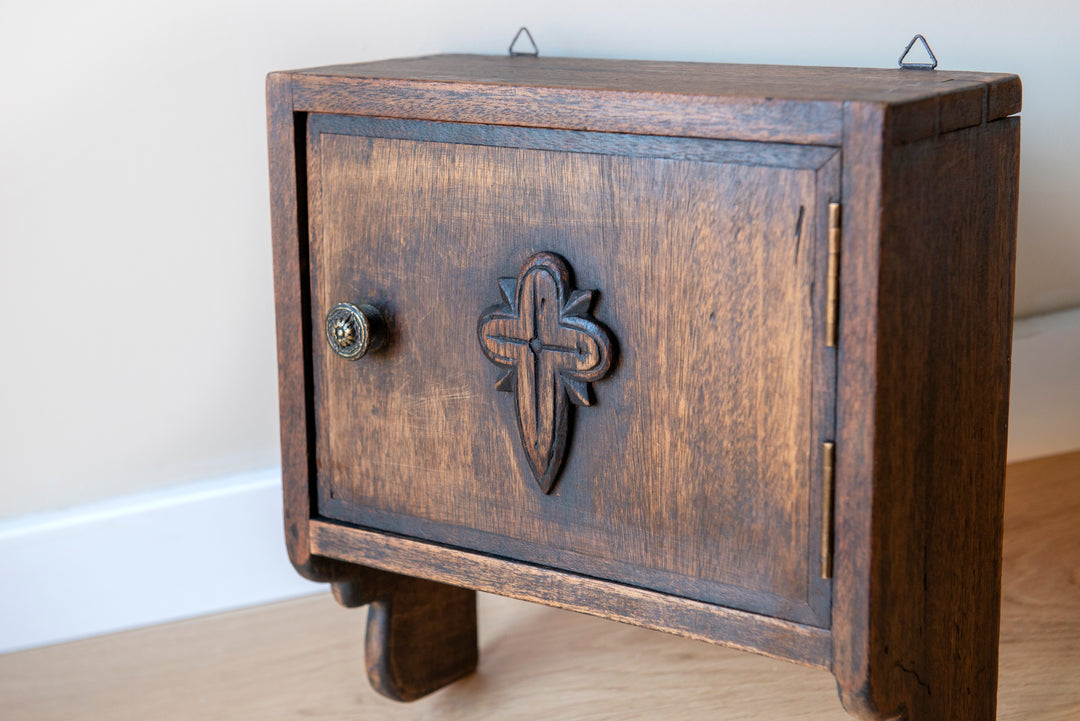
(694, 470)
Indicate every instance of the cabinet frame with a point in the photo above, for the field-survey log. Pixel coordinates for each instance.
(929, 185)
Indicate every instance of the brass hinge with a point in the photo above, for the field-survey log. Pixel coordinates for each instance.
(832, 287)
(828, 476)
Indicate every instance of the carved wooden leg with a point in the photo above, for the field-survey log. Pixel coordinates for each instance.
(421, 635)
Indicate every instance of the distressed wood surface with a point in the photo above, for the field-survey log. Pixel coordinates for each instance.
(421, 635)
(697, 471)
(550, 350)
(745, 102)
(394, 670)
(305, 658)
(704, 274)
(853, 490)
(289, 232)
(748, 631)
(795, 82)
(922, 418)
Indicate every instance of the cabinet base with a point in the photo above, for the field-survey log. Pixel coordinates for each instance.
(421, 635)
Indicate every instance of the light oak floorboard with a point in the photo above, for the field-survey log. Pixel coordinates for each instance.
(304, 658)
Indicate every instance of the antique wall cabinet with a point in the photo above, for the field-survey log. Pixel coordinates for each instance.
(719, 350)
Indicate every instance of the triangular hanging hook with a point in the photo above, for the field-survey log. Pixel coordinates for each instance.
(535, 51)
(918, 66)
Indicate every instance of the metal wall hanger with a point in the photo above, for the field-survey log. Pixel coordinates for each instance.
(917, 66)
(535, 50)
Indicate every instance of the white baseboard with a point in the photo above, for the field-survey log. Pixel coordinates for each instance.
(1044, 413)
(144, 559)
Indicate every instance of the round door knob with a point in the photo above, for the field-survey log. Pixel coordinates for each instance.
(353, 330)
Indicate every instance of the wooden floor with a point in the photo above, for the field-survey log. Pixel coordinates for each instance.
(304, 659)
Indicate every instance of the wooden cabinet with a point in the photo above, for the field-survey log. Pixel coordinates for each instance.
(718, 350)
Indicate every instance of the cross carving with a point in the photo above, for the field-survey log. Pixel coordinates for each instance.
(551, 348)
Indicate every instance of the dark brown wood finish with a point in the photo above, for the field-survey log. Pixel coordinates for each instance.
(692, 285)
(550, 350)
(421, 635)
(407, 657)
(853, 488)
(761, 634)
(825, 369)
(739, 102)
(694, 199)
(923, 409)
(289, 228)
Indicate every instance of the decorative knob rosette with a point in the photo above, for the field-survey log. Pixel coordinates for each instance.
(352, 331)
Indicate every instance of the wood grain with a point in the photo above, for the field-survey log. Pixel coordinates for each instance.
(697, 475)
(399, 666)
(685, 617)
(421, 635)
(739, 102)
(698, 116)
(304, 658)
(853, 490)
(289, 231)
(1040, 612)
(704, 274)
(550, 350)
(930, 424)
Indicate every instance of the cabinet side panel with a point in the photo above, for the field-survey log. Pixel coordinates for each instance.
(947, 249)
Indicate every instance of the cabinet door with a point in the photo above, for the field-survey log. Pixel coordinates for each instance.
(696, 470)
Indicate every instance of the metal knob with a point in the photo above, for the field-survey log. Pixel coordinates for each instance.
(353, 330)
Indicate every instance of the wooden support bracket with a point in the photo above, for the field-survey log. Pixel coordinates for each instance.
(421, 635)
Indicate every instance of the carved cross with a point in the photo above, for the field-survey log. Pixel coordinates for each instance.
(552, 349)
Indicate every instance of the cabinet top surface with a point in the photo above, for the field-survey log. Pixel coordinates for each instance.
(885, 86)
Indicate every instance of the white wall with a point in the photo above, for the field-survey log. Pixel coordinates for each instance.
(136, 332)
